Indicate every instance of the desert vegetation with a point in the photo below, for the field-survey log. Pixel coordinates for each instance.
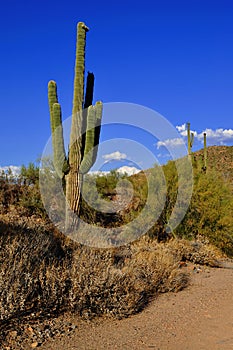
(44, 273)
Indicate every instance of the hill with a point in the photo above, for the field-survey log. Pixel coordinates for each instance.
(220, 158)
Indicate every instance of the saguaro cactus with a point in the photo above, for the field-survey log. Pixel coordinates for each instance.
(190, 139)
(85, 131)
(205, 152)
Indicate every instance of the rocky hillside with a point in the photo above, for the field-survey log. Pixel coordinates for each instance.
(220, 158)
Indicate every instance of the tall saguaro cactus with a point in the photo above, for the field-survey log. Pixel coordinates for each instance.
(84, 135)
(190, 139)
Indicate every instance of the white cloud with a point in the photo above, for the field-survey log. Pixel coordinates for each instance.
(128, 170)
(122, 170)
(178, 141)
(170, 143)
(99, 172)
(183, 131)
(15, 169)
(217, 136)
(114, 156)
(163, 155)
(214, 137)
(181, 128)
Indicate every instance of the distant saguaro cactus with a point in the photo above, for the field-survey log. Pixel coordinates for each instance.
(190, 139)
(205, 152)
(85, 130)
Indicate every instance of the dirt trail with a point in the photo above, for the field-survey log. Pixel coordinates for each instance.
(197, 318)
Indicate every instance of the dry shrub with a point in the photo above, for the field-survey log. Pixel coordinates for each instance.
(24, 256)
(44, 274)
(199, 251)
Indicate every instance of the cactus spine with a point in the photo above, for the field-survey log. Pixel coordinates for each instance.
(190, 139)
(85, 130)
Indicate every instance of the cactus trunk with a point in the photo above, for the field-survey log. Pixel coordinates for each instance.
(84, 135)
(190, 139)
(205, 152)
(73, 178)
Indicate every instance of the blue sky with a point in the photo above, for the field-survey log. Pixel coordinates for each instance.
(175, 57)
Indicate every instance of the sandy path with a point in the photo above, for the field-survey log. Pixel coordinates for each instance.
(197, 318)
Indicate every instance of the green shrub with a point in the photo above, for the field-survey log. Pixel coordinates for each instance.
(211, 211)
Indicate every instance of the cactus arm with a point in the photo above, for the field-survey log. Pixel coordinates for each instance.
(94, 117)
(192, 139)
(60, 161)
(87, 103)
(99, 113)
(52, 97)
(86, 163)
(89, 90)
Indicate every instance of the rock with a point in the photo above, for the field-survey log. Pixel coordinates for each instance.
(34, 345)
(13, 334)
(29, 331)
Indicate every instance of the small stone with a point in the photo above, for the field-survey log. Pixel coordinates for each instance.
(182, 264)
(34, 345)
(13, 334)
(29, 331)
(47, 332)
